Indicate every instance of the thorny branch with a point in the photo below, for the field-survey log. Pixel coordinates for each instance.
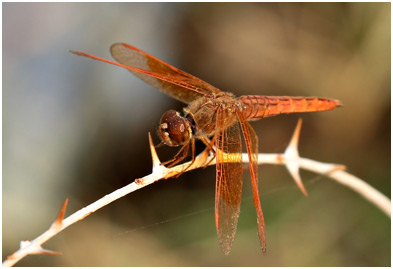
(290, 158)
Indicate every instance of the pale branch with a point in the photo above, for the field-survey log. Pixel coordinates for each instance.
(290, 158)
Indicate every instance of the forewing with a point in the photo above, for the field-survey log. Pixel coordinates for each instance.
(251, 141)
(166, 78)
(229, 181)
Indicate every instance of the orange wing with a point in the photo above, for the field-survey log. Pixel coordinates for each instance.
(162, 76)
(251, 141)
(229, 181)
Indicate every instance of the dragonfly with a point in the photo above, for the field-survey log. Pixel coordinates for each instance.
(218, 119)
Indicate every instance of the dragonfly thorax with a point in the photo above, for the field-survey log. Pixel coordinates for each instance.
(203, 112)
(174, 129)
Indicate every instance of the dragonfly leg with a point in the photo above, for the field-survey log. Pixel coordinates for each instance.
(193, 157)
(176, 159)
(209, 143)
(209, 147)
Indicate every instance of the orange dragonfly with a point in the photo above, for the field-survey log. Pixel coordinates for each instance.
(213, 113)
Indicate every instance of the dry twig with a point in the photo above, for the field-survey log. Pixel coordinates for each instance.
(290, 158)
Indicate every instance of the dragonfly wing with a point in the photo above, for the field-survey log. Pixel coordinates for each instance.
(166, 78)
(251, 141)
(229, 181)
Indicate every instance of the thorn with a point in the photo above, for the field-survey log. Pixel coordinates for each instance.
(337, 167)
(291, 155)
(38, 250)
(24, 243)
(295, 137)
(59, 220)
(48, 252)
(157, 166)
(293, 169)
(154, 156)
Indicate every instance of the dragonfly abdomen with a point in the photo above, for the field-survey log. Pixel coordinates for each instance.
(259, 106)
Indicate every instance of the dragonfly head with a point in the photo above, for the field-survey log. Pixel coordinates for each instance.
(174, 129)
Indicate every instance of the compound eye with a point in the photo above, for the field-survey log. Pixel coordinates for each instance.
(174, 129)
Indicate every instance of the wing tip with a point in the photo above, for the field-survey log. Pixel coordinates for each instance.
(226, 246)
(123, 45)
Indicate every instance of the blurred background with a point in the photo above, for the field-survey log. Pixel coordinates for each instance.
(77, 128)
